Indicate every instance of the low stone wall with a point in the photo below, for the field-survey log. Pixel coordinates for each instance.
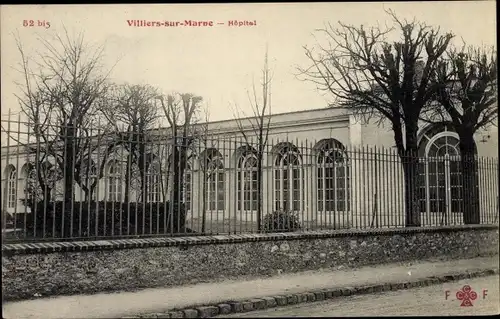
(66, 268)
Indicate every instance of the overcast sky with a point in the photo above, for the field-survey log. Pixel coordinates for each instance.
(219, 62)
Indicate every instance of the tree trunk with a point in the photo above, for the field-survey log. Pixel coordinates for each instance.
(204, 197)
(47, 196)
(182, 168)
(69, 154)
(84, 181)
(165, 181)
(410, 171)
(177, 187)
(409, 158)
(46, 191)
(128, 173)
(93, 189)
(179, 158)
(259, 192)
(143, 170)
(86, 193)
(469, 170)
(144, 184)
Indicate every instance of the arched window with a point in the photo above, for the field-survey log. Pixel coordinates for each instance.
(440, 172)
(11, 186)
(115, 181)
(288, 178)
(247, 179)
(153, 182)
(214, 164)
(332, 176)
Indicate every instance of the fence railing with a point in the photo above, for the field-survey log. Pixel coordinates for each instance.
(134, 184)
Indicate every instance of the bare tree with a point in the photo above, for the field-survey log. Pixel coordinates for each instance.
(58, 98)
(205, 143)
(90, 165)
(256, 142)
(181, 112)
(466, 82)
(134, 113)
(373, 77)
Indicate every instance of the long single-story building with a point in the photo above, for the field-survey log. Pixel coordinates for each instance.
(325, 164)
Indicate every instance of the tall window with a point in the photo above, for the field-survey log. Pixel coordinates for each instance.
(333, 176)
(215, 180)
(247, 180)
(153, 182)
(440, 176)
(11, 190)
(188, 181)
(288, 179)
(115, 180)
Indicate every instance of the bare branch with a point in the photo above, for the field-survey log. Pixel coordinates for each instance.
(467, 89)
(60, 93)
(375, 78)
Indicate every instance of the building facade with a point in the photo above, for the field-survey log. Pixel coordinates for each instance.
(324, 164)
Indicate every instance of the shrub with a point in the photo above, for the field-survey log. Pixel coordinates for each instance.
(6, 219)
(98, 219)
(281, 221)
(12, 220)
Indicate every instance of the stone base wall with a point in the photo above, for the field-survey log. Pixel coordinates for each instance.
(112, 265)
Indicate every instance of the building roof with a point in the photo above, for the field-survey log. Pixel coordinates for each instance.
(231, 126)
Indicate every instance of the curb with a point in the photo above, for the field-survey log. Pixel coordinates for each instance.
(231, 307)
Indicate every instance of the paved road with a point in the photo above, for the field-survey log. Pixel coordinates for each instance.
(121, 304)
(428, 301)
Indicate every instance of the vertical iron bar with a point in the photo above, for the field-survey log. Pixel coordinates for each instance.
(105, 175)
(272, 181)
(75, 137)
(396, 210)
(235, 181)
(54, 185)
(90, 187)
(65, 172)
(491, 172)
(139, 145)
(355, 173)
(383, 187)
(377, 195)
(366, 187)
(36, 182)
(7, 186)
(18, 172)
(26, 188)
(307, 178)
(316, 168)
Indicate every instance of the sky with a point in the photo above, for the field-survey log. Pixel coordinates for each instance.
(219, 62)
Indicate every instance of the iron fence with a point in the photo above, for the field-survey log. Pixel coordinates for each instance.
(92, 184)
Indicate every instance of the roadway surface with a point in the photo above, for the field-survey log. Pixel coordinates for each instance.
(156, 300)
(425, 301)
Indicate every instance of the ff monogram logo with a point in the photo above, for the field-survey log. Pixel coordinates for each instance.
(466, 295)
